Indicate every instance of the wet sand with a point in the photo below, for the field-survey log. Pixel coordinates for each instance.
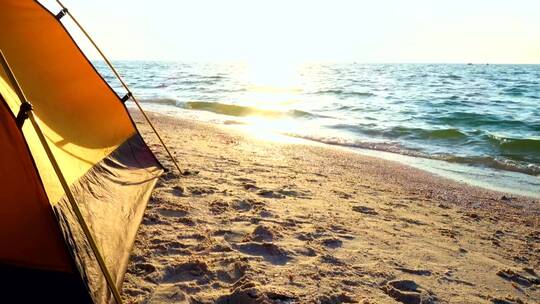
(261, 221)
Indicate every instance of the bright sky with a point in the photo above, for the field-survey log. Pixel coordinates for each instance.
(440, 31)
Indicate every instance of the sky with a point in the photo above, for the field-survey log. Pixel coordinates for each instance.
(379, 31)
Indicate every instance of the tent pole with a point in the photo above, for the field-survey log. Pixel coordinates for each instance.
(129, 93)
(60, 175)
(75, 207)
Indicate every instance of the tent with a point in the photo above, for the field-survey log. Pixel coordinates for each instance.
(75, 174)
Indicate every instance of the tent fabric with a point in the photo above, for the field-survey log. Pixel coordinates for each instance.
(81, 116)
(25, 214)
(128, 174)
(108, 167)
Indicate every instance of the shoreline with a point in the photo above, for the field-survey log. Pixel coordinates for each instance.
(253, 220)
(492, 179)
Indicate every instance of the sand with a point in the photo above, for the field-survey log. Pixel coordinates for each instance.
(262, 221)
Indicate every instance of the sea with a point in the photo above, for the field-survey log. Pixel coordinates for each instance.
(475, 123)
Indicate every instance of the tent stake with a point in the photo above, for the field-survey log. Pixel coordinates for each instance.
(63, 182)
(67, 12)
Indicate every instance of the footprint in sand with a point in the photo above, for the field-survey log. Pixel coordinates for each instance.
(283, 192)
(233, 273)
(420, 272)
(247, 291)
(178, 191)
(306, 251)
(270, 194)
(247, 204)
(189, 271)
(169, 212)
(269, 251)
(143, 268)
(342, 195)
(263, 233)
(202, 191)
(154, 219)
(408, 292)
(332, 242)
(364, 210)
(169, 246)
(335, 298)
(524, 279)
(219, 207)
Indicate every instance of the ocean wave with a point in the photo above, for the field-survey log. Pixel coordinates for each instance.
(344, 93)
(231, 109)
(442, 134)
(475, 120)
(163, 101)
(496, 163)
(516, 146)
(451, 76)
(401, 132)
(515, 91)
(243, 111)
(380, 146)
(204, 81)
(393, 147)
(433, 134)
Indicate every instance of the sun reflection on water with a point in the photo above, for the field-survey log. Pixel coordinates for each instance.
(274, 91)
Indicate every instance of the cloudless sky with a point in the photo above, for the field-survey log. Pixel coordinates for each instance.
(440, 31)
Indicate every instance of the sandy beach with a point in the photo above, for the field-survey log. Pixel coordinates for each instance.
(252, 220)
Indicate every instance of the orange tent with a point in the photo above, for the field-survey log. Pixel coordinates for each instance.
(79, 123)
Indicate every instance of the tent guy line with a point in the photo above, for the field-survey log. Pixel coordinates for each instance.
(129, 94)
